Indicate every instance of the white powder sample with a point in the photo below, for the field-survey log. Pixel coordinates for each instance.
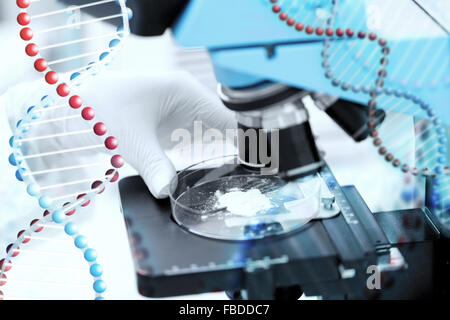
(243, 203)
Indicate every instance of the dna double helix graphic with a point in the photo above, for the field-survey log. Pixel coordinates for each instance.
(55, 144)
(413, 138)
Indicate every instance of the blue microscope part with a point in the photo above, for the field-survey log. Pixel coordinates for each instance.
(239, 49)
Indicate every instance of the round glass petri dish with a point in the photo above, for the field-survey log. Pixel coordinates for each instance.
(220, 199)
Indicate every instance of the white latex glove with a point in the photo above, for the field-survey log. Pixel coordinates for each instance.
(142, 111)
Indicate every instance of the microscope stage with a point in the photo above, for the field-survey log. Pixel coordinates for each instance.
(171, 261)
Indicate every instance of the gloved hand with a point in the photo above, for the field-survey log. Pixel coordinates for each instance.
(141, 111)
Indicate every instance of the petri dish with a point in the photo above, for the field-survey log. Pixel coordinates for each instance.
(221, 199)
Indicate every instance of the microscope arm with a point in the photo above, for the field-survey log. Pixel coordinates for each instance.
(352, 117)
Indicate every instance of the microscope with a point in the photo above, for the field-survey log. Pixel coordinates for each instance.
(265, 72)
